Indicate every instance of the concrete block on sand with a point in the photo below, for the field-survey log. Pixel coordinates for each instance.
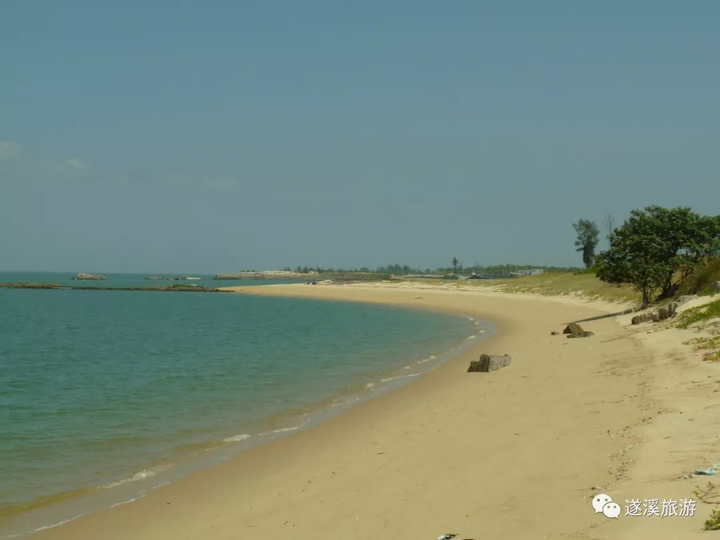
(574, 330)
(489, 362)
(644, 317)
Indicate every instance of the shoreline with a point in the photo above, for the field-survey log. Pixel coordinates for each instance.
(511, 454)
(84, 501)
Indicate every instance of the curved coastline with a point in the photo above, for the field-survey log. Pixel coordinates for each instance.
(459, 433)
(64, 508)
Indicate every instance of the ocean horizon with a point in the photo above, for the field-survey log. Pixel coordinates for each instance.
(111, 394)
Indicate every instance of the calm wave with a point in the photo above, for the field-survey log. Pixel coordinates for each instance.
(111, 393)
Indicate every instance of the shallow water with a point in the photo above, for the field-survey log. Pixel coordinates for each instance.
(106, 394)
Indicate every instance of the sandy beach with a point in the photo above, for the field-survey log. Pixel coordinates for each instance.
(514, 454)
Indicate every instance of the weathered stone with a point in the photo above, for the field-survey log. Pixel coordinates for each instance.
(716, 286)
(686, 298)
(573, 328)
(642, 318)
(665, 312)
(489, 362)
(584, 333)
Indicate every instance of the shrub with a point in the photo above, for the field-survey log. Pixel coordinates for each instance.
(702, 281)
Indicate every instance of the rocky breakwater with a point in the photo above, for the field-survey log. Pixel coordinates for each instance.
(176, 287)
(88, 277)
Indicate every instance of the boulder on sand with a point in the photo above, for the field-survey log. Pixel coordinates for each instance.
(667, 311)
(574, 330)
(584, 333)
(644, 317)
(489, 362)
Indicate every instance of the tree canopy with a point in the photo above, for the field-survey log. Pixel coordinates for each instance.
(587, 240)
(657, 249)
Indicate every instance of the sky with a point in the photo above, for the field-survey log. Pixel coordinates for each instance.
(207, 137)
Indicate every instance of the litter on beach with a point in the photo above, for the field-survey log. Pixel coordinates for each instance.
(712, 471)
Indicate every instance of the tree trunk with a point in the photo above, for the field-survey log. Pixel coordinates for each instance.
(668, 291)
(645, 297)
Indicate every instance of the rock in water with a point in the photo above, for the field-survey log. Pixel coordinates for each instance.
(85, 277)
(488, 363)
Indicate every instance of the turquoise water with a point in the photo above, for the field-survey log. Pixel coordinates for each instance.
(123, 280)
(106, 394)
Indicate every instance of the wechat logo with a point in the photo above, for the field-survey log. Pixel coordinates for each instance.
(603, 504)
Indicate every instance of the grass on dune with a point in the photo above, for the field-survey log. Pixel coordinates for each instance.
(699, 314)
(711, 344)
(551, 284)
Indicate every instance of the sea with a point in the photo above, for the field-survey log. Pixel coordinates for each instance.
(106, 395)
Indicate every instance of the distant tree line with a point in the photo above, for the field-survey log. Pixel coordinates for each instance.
(456, 268)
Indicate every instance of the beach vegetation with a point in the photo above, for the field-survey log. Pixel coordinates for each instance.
(587, 240)
(699, 314)
(495, 271)
(584, 284)
(703, 280)
(657, 249)
(713, 522)
(710, 344)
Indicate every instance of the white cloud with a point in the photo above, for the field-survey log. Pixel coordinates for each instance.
(26, 168)
(213, 184)
(9, 151)
(77, 164)
(69, 170)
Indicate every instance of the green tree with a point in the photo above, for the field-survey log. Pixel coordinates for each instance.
(657, 249)
(455, 263)
(587, 240)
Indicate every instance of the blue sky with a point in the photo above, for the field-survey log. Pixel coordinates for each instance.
(173, 136)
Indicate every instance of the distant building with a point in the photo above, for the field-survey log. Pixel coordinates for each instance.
(531, 272)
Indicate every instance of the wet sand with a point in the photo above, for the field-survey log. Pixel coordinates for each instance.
(514, 454)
